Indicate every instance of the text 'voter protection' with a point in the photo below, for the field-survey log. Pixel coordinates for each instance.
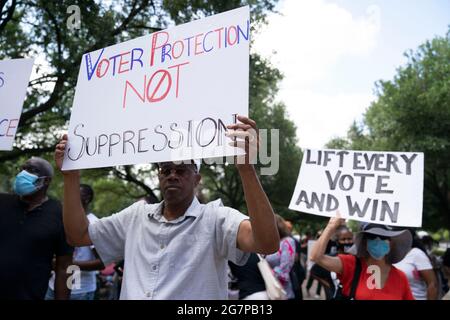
(161, 82)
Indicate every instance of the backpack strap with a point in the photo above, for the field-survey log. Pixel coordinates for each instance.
(355, 280)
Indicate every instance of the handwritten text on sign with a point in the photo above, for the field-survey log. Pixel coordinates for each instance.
(378, 187)
(14, 76)
(165, 96)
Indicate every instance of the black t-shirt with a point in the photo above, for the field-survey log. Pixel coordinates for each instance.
(331, 248)
(249, 277)
(28, 242)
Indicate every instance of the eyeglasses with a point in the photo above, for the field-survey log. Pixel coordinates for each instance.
(179, 170)
(374, 236)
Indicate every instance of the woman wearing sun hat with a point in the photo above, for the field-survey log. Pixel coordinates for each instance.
(376, 248)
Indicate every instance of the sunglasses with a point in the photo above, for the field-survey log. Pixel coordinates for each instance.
(179, 170)
(374, 236)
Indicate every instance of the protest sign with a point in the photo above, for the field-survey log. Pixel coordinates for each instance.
(167, 96)
(14, 77)
(377, 187)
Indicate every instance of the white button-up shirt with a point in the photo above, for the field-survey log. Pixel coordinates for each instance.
(184, 258)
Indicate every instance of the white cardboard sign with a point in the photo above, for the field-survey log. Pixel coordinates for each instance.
(14, 77)
(376, 187)
(166, 96)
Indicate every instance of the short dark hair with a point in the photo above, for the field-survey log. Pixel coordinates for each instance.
(87, 189)
(283, 230)
(43, 166)
(343, 228)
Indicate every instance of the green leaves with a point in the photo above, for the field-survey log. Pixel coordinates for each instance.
(39, 29)
(412, 113)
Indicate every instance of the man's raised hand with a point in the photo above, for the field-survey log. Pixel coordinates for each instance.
(244, 136)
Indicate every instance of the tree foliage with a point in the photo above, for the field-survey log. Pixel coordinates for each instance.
(412, 113)
(38, 28)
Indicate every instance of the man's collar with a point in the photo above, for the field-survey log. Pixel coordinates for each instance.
(35, 205)
(192, 211)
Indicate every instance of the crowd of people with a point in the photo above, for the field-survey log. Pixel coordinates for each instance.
(409, 269)
(183, 249)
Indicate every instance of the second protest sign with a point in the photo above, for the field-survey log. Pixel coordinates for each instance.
(377, 187)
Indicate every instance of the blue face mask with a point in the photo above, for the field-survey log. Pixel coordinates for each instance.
(378, 248)
(25, 183)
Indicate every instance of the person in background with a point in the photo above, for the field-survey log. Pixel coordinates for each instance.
(289, 226)
(117, 279)
(107, 284)
(344, 239)
(249, 280)
(283, 260)
(419, 271)
(233, 290)
(375, 246)
(31, 234)
(304, 239)
(317, 273)
(427, 241)
(86, 258)
(298, 273)
(446, 271)
(328, 280)
(429, 244)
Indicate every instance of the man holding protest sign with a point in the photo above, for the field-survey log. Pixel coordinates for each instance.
(178, 249)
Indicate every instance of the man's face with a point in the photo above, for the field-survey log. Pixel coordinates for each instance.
(85, 197)
(177, 182)
(35, 167)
